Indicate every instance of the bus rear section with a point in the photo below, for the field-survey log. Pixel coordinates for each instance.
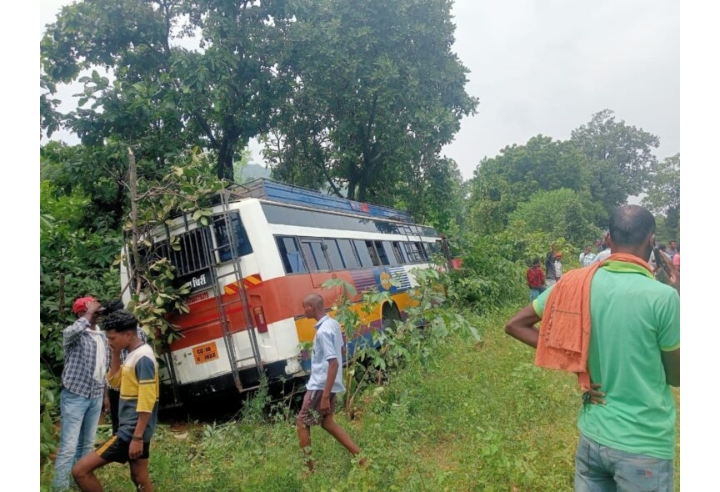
(226, 341)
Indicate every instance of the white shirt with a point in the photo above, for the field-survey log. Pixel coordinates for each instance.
(586, 259)
(602, 255)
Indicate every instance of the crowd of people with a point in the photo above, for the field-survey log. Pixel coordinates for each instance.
(538, 280)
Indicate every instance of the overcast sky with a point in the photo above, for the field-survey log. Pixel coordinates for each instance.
(545, 66)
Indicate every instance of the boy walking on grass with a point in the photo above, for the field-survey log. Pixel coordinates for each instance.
(138, 380)
(325, 380)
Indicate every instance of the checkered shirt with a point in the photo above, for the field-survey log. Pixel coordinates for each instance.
(80, 352)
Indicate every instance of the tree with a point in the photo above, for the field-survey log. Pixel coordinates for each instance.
(433, 194)
(499, 184)
(376, 92)
(620, 157)
(560, 213)
(663, 194)
(166, 98)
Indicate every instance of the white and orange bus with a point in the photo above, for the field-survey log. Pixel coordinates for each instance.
(267, 246)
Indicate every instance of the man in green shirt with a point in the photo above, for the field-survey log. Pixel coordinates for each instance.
(627, 442)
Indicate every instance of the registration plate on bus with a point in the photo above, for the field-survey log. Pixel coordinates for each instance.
(205, 353)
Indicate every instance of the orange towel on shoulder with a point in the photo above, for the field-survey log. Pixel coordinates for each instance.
(564, 340)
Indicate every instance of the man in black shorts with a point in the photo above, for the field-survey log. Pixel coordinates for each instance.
(325, 381)
(139, 386)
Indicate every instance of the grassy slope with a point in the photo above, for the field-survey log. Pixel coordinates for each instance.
(482, 417)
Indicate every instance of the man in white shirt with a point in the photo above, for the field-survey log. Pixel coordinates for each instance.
(587, 256)
(325, 380)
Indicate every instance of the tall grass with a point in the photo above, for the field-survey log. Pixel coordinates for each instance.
(475, 417)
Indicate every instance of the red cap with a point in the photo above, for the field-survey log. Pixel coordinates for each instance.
(80, 305)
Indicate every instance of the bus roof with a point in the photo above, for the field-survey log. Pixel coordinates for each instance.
(291, 194)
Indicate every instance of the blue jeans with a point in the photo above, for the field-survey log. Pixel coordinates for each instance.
(79, 418)
(599, 468)
(534, 293)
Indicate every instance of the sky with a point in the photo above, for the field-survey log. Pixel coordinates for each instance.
(545, 67)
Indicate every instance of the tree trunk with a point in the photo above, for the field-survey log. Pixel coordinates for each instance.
(225, 154)
(132, 171)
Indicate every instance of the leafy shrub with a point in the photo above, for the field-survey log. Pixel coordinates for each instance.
(492, 273)
(427, 326)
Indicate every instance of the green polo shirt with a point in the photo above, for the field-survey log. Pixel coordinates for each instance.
(634, 318)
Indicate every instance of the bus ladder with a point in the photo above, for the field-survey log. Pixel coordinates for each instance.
(241, 297)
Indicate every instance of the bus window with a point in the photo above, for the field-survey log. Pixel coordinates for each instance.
(373, 254)
(421, 250)
(313, 250)
(433, 248)
(192, 256)
(381, 253)
(333, 254)
(242, 244)
(398, 252)
(391, 254)
(363, 253)
(347, 251)
(290, 254)
(414, 252)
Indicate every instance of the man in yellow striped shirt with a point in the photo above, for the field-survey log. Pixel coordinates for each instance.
(139, 385)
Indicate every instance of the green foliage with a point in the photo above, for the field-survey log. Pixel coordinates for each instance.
(493, 271)
(49, 390)
(74, 262)
(434, 195)
(620, 157)
(663, 197)
(166, 98)
(604, 163)
(558, 213)
(426, 327)
(187, 189)
(375, 92)
(502, 182)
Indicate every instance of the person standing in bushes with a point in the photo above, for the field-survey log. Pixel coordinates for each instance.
(325, 381)
(558, 266)
(618, 328)
(550, 258)
(83, 395)
(673, 249)
(587, 256)
(535, 279)
(139, 385)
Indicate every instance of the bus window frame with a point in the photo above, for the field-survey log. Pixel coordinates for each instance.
(310, 241)
(284, 256)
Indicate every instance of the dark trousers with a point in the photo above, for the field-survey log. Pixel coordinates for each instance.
(114, 405)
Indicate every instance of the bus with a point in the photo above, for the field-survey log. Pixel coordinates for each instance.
(266, 246)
